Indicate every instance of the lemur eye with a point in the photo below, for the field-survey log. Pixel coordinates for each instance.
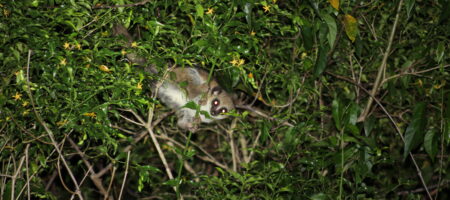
(216, 102)
(223, 110)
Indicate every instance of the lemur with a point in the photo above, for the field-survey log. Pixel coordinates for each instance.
(184, 85)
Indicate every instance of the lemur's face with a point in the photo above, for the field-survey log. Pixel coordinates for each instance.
(220, 102)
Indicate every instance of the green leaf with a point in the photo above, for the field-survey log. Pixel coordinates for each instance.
(368, 125)
(199, 10)
(321, 61)
(409, 7)
(416, 129)
(323, 33)
(336, 113)
(248, 13)
(332, 29)
(447, 118)
(192, 105)
(440, 52)
(445, 14)
(431, 144)
(308, 37)
(319, 196)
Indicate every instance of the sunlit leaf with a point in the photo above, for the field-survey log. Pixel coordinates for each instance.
(200, 10)
(351, 27)
(334, 4)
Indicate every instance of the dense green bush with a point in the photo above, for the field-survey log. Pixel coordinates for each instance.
(72, 108)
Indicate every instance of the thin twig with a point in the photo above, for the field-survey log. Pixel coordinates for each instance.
(125, 176)
(13, 181)
(130, 120)
(422, 189)
(258, 93)
(441, 159)
(49, 132)
(230, 132)
(28, 171)
(254, 145)
(413, 73)
(243, 143)
(259, 113)
(82, 181)
(113, 174)
(382, 67)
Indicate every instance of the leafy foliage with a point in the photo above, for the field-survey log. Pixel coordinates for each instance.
(310, 65)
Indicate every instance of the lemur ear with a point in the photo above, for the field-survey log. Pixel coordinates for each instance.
(216, 90)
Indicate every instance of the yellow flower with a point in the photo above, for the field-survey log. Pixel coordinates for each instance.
(17, 96)
(237, 62)
(241, 62)
(91, 114)
(104, 68)
(25, 104)
(63, 62)
(66, 45)
(61, 123)
(274, 1)
(6, 12)
(253, 33)
(134, 44)
(266, 8)
(26, 112)
(139, 86)
(123, 52)
(234, 62)
(210, 11)
(78, 46)
(304, 54)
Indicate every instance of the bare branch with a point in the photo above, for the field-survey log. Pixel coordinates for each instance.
(125, 176)
(14, 177)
